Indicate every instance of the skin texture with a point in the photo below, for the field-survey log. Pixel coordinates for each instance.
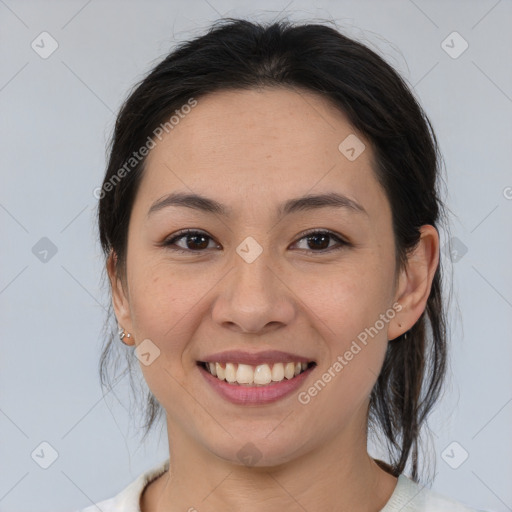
(251, 151)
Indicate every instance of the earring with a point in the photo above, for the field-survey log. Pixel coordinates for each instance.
(404, 335)
(123, 335)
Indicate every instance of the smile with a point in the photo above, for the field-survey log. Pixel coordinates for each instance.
(255, 385)
(255, 375)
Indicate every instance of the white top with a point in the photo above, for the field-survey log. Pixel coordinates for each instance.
(408, 496)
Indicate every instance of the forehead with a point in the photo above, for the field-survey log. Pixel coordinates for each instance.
(259, 146)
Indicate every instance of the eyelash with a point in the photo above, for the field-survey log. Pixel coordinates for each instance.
(189, 232)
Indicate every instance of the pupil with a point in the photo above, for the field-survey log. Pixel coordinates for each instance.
(325, 237)
(203, 246)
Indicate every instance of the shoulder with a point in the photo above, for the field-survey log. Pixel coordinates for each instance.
(128, 499)
(410, 496)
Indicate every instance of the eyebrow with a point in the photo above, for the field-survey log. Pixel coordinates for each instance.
(299, 204)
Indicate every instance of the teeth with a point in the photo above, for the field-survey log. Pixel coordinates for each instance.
(289, 370)
(244, 374)
(278, 372)
(219, 371)
(230, 372)
(261, 375)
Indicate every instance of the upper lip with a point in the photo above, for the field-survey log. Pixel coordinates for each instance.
(255, 358)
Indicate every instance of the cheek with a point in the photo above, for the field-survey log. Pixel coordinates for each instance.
(357, 343)
(165, 306)
(348, 299)
(349, 304)
(162, 302)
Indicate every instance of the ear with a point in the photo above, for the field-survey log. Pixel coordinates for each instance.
(120, 298)
(415, 281)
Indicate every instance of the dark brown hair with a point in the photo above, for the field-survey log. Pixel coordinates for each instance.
(239, 54)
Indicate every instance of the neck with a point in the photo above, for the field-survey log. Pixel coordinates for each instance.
(337, 476)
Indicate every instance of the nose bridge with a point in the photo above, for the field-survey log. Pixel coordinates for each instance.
(253, 275)
(253, 296)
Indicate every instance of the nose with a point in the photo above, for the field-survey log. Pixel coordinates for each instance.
(253, 298)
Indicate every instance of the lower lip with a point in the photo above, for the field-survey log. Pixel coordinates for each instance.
(255, 395)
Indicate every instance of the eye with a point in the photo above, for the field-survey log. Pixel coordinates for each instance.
(320, 240)
(198, 241)
(194, 241)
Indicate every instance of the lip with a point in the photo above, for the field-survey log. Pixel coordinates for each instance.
(255, 395)
(255, 358)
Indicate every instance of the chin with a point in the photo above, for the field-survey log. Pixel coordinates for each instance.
(260, 451)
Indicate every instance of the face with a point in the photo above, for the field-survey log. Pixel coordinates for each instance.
(308, 280)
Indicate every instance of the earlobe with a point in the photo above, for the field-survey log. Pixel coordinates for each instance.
(119, 297)
(415, 281)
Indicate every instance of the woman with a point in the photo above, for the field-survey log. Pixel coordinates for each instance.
(269, 217)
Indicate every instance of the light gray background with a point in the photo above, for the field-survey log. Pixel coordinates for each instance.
(57, 114)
